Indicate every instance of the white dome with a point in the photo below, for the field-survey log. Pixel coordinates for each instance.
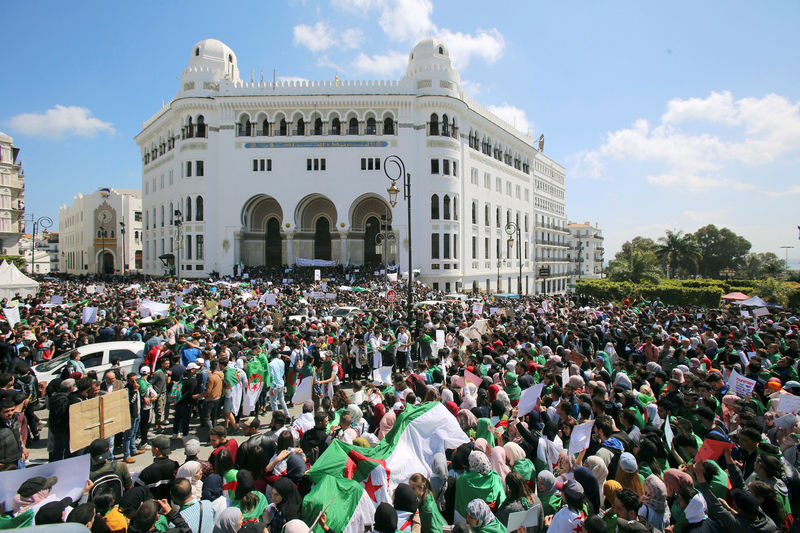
(214, 56)
(429, 53)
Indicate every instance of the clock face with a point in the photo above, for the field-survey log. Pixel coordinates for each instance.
(104, 216)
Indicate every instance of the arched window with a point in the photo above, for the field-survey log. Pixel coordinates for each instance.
(474, 213)
(188, 208)
(244, 126)
(446, 207)
(198, 209)
(441, 50)
(197, 51)
(301, 126)
(388, 126)
(336, 127)
(265, 127)
(352, 128)
(435, 207)
(283, 129)
(371, 128)
(434, 127)
(201, 126)
(318, 126)
(445, 126)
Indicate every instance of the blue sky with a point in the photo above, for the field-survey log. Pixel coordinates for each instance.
(666, 115)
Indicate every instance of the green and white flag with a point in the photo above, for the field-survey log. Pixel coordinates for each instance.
(348, 507)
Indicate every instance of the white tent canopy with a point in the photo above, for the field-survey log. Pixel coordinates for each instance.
(13, 282)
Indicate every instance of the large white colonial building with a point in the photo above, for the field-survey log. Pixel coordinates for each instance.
(276, 173)
(12, 196)
(585, 250)
(101, 233)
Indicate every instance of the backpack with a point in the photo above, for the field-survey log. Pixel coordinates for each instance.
(339, 371)
(107, 483)
(176, 393)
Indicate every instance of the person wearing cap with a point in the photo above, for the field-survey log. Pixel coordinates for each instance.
(52, 512)
(31, 492)
(159, 380)
(183, 408)
(569, 518)
(157, 475)
(100, 466)
(12, 450)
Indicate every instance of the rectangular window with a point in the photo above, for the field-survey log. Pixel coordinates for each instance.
(446, 167)
(188, 247)
(446, 246)
(455, 246)
(377, 163)
(198, 248)
(146, 188)
(316, 164)
(434, 246)
(363, 163)
(474, 247)
(498, 185)
(434, 166)
(170, 177)
(255, 165)
(262, 164)
(322, 164)
(371, 164)
(199, 168)
(454, 169)
(308, 164)
(161, 182)
(188, 173)
(486, 248)
(487, 181)
(269, 165)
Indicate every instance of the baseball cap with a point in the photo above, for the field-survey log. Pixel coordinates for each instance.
(145, 370)
(52, 512)
(35, 484)
(627, 462)
(571, 489)
(162, 443)
(192, 366)
(98, 448)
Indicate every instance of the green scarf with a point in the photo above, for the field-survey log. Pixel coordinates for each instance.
(484, 431)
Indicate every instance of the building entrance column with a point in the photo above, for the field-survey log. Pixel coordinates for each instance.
(290, 247)
(344, 236)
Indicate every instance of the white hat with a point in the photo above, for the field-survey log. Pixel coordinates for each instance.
(192, 366)
(145, 370)
(200, 361)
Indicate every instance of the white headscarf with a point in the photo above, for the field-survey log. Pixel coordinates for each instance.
(191, 470)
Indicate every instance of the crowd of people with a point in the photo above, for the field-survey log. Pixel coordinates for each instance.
(674, 444)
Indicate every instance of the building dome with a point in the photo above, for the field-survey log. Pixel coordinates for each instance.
(429, 54)
(216, 57)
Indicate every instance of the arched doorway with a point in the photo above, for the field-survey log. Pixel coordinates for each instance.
(371, 230)
(322, 239)
(273, 254)
(106, 263)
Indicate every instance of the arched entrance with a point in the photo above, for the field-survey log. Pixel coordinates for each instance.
(371, 230)
(273, 255)
(322, 239)
(106, 262)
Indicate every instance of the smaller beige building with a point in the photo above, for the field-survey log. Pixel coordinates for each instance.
(100, 229)
(586, 250)
(12, 196)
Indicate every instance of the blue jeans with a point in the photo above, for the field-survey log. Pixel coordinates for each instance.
(129, 438)
(275, 397)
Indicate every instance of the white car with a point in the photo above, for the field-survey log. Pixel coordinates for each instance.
(346, 313)
(95, 357)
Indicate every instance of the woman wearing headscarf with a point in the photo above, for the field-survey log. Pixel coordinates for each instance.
(675, 480)
(386, 424)
(385, 519)
(591, 490)
(610, 489)
(406, 505)
(452, 407)
(654, 502)
(651, 413)
(480, 482)
(228, 520)
(439, 479)
(565, 467)
(286, 504)
(468, 422)
(600, 472)
(378, 413)
(481, 519)
(628, 473)
(498, 460)
(519, 497)
(519, 463)
(251, 502)
(484, 431)
(429, 516)
(212, 491)
(357, 423)
(192, 471)
(470, 398)
(548, 494)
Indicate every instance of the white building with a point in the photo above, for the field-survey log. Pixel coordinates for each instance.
(585, 250)
(12, 196)
(98, 230)
(277, 173)
(45, 258)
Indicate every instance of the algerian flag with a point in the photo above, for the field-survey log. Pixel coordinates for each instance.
(348, 507)
(252, 393)
(303, 391)
(472, 485)
(419, 433)
(371, 473)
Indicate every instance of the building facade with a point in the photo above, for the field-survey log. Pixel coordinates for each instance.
(41, 255)
(101, 233)
(12, 196)
(585, 250)
(272, 174)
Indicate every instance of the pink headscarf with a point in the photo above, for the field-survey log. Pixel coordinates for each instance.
(482, 445)
(386, 423)
(498, 460)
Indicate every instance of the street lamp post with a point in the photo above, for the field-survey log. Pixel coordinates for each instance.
(499, 264)
(382, 239)
(393, 191)
(41, 222)
(787, 248)
(101, 266)
(122, 236)
(512, 228)
(178, 223)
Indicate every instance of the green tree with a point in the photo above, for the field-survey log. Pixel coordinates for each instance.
(678, 253)
(719, 248)
(773, 290)
(637, 266)
(642, 244)
(762, 265)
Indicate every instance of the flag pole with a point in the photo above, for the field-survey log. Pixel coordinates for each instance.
(311, 527)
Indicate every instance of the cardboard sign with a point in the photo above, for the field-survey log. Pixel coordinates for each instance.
(741, 385)
(98, 418)
(523, 519)
(788, 403)
(472, 378)
(71, 477)
(440, 339)
(581, 437)
(528, 399)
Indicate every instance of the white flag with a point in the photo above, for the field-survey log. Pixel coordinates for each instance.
(12, 316)
(303, 391)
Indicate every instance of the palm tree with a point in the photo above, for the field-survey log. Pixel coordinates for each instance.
(637, 267)
(678, 251)
(773, 290)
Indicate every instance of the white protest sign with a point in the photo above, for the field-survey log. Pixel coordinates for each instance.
(317, 295)
(761, 311)
(745, 312)
(668, 434)
(151, 308)
(565, 377)
(90, 289)
(178, 301)
(788, 403)
(71, 474)
(164, 294)
(252, 303)
(440, 338)
(56, 300)
(523, 519)
(303, 390)
(528, 399)
(494, 310)
(323, 286)
(477, 309)
(581, 437)
(391, 276)
(89, 315)
(270, 299)
(225, 303)
(12, 316)
(317, 275)
(330, 295)
(741, 385)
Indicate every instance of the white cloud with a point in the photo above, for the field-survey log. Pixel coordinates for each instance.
(316, 38)
(486, 44)
(472, 88)
(60, 121)
(357, 7)
(698, 139)
(791, 191)
(513, 115)
(407, 20)
(352, 38)
(381, 64)
(703, 217)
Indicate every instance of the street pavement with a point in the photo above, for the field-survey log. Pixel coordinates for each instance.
(38, 450)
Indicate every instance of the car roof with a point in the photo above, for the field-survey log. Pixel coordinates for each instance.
(114, 345)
